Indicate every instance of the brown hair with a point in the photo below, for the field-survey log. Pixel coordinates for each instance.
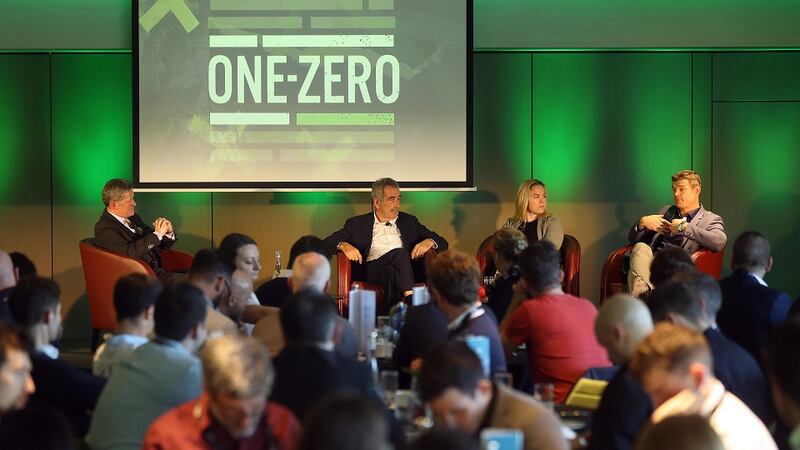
(689, 175)
(686, 432)
(455, 276)
(115, 189)
(670, 347)
(509, 243)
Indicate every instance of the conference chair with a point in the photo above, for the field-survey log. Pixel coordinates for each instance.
(570, 261)
(352, 274)
(101, 270)
(612, 282)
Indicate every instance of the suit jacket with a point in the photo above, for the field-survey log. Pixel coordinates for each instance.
(706, 230)
(110, 234)
(515, 410)
(623, 411)
(358, 232)
(425, 327)
(750, 310)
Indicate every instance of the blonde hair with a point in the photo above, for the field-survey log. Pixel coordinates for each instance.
(521, 202)
(236, 365)
(689, 175)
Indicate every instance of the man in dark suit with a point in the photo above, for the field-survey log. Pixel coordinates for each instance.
(385, 241)
(686, 225)
(750, 309)
(121, 230)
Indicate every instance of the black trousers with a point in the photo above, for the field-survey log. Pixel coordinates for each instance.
(393, 272)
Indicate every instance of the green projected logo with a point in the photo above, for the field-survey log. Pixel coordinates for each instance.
(161, 8)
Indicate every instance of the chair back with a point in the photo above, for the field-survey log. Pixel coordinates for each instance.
(571, 260)
(101, 270)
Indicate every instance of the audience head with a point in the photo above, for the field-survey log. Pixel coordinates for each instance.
(211, 275)
(531, 197)
(344, 422)
(308, 319)
(306, 244)
(540, 265)
(135, 298)
(8, 274)
(310, 270)
(180, 315)
(669, 262)
(241, 288)
(444, 439)
(241, 252)
(36, 428)
(782, 364)
(686, 186)
(22, 264)
(118, 197)
(691, 299)
(35, 306)
(508, 245)
(751, 253)
(386, 198)
(237, 375)
(621, 324)
(686, 432)
(672, 358)
(454, 279)
(453, 383)
(16, 383)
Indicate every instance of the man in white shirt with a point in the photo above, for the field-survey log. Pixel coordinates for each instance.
(674, 366)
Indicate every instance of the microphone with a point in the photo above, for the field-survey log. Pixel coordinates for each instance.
(388, 224)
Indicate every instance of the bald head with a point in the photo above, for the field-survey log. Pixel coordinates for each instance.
(8, 277)
(621, 324)
(310, 271)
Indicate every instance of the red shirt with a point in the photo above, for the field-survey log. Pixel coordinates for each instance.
(559, 332)
(189, 426)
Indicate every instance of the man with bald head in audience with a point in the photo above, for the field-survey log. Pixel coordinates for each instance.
(310, 271)
(621, 324)
(8, 279)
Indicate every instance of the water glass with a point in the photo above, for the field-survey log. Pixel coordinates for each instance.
(389, 386)
(545, 394)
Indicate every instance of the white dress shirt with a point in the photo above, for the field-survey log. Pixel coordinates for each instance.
(385, 238)
(126, 221)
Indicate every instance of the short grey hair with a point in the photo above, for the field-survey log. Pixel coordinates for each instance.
(238, 366)
(115, 189)
(379, 185)
(310, 271)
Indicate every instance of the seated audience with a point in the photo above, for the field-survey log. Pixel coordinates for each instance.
(686, 224)
(384, 242)
(8, 279)
(16, 384)
(508, 244)
(692, 300)
(444, 439)
(233, 411)
(751, 309)
(23, 265)
(275, 291)
(556, 327)
(461, 397)
(531, 215)
(241, 252)
(36, 429)
(214, 278)
(685, 432)
(310, 271)
(782, 363)
(454, 280)
(134, 299)
(622, 323)
(675, 367)
(424, 328)
(35, 307)
(157, 376)
(669, 262)
(344, 422)
(121, 230)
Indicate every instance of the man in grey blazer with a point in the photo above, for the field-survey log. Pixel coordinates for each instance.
(686, 225)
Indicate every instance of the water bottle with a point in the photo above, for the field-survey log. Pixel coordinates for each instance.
(278, 269)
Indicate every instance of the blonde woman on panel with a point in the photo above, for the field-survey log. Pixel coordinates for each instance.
(531, 215)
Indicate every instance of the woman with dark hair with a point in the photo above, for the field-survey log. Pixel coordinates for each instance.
(531, 215)
(273, 292)
(241, 252)
(344, 422)
(508, 244)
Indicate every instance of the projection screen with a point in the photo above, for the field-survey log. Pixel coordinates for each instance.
(321, 94)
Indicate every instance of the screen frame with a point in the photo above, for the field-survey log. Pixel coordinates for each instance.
(273, 186)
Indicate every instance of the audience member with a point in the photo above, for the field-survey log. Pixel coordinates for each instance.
(556, 327)
(508, 245)
(157, 376)
(424, 328)
(782, 363)
(121, 230)
(241, 252)
(692, 300)
(453, 384)
(686, 224)
(35, 306)
(16, 384)
(8, 279)
(310, 271)
(275, 291)
(674, 365)
(531, 215)
(36, 428)
(454, 280)
(685, 432)
(134, 299)
(233, 411)
(213, 277)
(750, 309)
(386, 241)
(23, 265)
(444, 439)
(622, 323)
(344, 422)
(669, 262)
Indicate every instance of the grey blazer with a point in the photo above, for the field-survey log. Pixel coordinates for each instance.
(548, 227)
(706, 230)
